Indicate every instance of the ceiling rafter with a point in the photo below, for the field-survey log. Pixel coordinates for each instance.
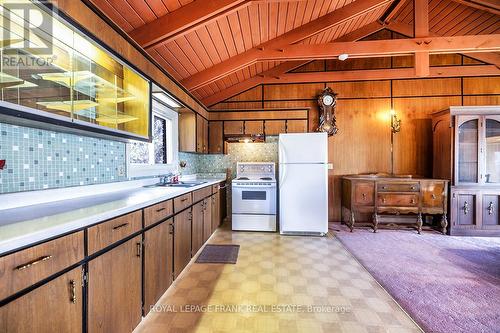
(285, 67)
(407, 30)
(488, 6)
(183, 20)
(250, 56)
(383, 74)
(386, 47)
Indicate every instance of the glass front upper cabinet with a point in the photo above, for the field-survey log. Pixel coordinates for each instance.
(50, 66)
(492, 151)
(468, 144)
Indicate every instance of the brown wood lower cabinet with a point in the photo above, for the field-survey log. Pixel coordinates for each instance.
(215, 201)
(54, 307)
(158, 262)
(207, 219)
(182, 240)
(114, 289)
(197, 228)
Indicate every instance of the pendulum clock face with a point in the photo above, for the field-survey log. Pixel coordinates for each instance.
(327, 102)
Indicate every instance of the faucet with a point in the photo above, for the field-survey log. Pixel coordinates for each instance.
(166, 179)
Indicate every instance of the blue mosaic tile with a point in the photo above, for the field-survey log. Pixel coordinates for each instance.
(39, 159)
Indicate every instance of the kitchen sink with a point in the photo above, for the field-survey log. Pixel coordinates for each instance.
(179, 184)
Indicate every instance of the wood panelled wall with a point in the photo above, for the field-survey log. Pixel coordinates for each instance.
(362, 144)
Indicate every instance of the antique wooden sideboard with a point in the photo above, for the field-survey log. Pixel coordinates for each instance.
(393, 200)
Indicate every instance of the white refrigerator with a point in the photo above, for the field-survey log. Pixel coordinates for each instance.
(303, 184)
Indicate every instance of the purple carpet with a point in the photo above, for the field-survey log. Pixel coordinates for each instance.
(446, 284)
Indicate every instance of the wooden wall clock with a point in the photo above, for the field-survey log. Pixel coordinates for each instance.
(327, 121)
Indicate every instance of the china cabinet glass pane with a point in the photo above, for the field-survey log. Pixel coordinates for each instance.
(72, 76)
(492, 151)
(467, 151)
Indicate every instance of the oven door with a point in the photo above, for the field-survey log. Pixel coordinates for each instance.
(254, 199)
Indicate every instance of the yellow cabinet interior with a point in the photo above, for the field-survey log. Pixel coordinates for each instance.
(61, 71)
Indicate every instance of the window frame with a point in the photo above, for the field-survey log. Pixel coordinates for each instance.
(135, 170)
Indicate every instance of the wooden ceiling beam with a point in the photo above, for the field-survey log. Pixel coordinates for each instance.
(392, 11)
(285, 67)
(421, 28)
(407, 30)
(382, 74)
(381, 48)
(488, 6)
(252, 55)
(183, 20)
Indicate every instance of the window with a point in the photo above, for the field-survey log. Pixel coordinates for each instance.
(159, 156)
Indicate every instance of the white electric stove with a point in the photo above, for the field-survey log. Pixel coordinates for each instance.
(254, 197)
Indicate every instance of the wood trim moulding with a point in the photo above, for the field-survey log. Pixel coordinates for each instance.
(383, 74)
(263, 114)
(93, 22)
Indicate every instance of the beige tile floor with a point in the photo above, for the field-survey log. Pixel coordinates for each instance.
(270, 288)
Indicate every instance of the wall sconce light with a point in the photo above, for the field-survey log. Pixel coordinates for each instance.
(395, 128)
(395, 122)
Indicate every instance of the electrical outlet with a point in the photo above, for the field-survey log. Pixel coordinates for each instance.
(121, 170)
(330, 166)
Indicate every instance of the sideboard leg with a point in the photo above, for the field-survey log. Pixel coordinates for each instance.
(375, 222)
(444, 223)
(351, 221)
(420, 222)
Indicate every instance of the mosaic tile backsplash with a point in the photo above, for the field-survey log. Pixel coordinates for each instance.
(236, 152)
(39, 159)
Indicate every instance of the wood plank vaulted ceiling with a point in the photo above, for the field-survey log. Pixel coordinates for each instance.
(210, 45)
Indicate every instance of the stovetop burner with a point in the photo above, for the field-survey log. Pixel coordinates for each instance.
(266, 178)
(243, 178)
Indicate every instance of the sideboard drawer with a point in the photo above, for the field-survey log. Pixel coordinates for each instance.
(403, 200)
(182, 202)
(21, 269)
(364, 193)
(398, 187)
(158, 212)
(107, 233)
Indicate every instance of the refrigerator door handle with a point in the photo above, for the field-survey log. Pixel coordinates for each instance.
(282, 175)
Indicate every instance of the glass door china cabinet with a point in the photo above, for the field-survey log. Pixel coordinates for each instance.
(51, 70)
(466, 144)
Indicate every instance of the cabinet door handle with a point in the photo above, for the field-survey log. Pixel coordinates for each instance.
(412, 201)
(364, 196)
(383, 200)
(160, 209)
(466, 208)
(433, 197)
(120, 226)
(32, 263)
(182, 200)
(72, 285)
(171, 229)
(139, 249)
(490, 208)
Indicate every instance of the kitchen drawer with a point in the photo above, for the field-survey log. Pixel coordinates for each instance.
(399, 200)
(364, 193)
(158, 212)
(109, 232)
(182, 202)
(433, 195)
(398, 187)
(21, 269)
(202, 193)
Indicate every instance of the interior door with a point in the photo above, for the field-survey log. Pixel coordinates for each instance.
(158, 262)
(54, 307)
(114, 289)
(303, 190)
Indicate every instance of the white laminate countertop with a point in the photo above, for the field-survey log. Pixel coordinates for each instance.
(23, 226)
